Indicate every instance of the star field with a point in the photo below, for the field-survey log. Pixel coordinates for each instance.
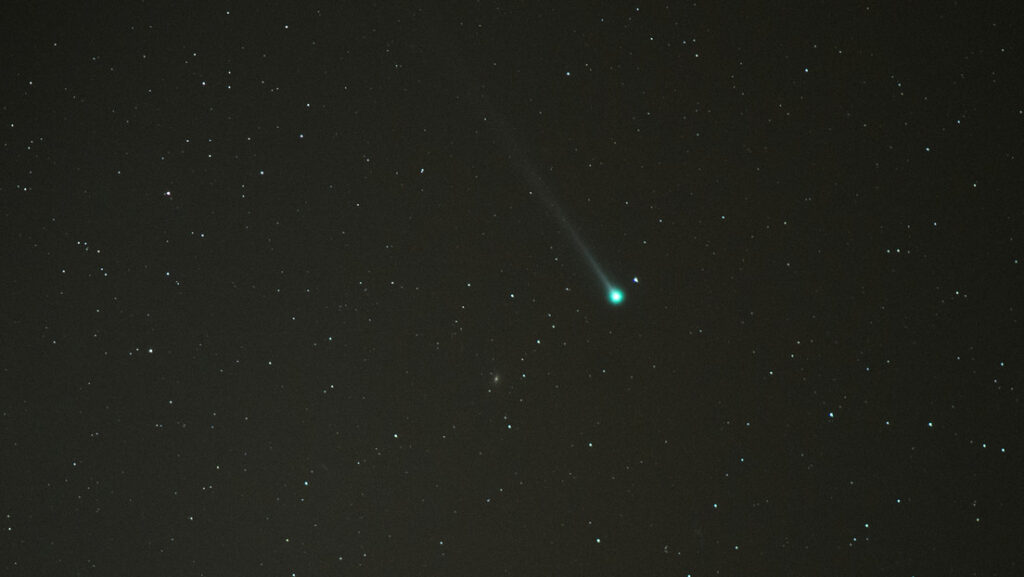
(284, 297)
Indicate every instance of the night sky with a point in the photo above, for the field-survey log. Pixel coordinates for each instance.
(324, 289)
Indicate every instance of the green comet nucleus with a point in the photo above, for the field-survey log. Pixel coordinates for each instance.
(615, 296)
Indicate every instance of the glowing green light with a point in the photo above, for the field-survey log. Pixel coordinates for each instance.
(615, 296)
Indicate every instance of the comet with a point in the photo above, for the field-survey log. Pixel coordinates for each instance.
(539, 188)
(615, 296)
(537, 185)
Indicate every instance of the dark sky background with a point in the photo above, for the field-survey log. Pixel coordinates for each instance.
(293, 291)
